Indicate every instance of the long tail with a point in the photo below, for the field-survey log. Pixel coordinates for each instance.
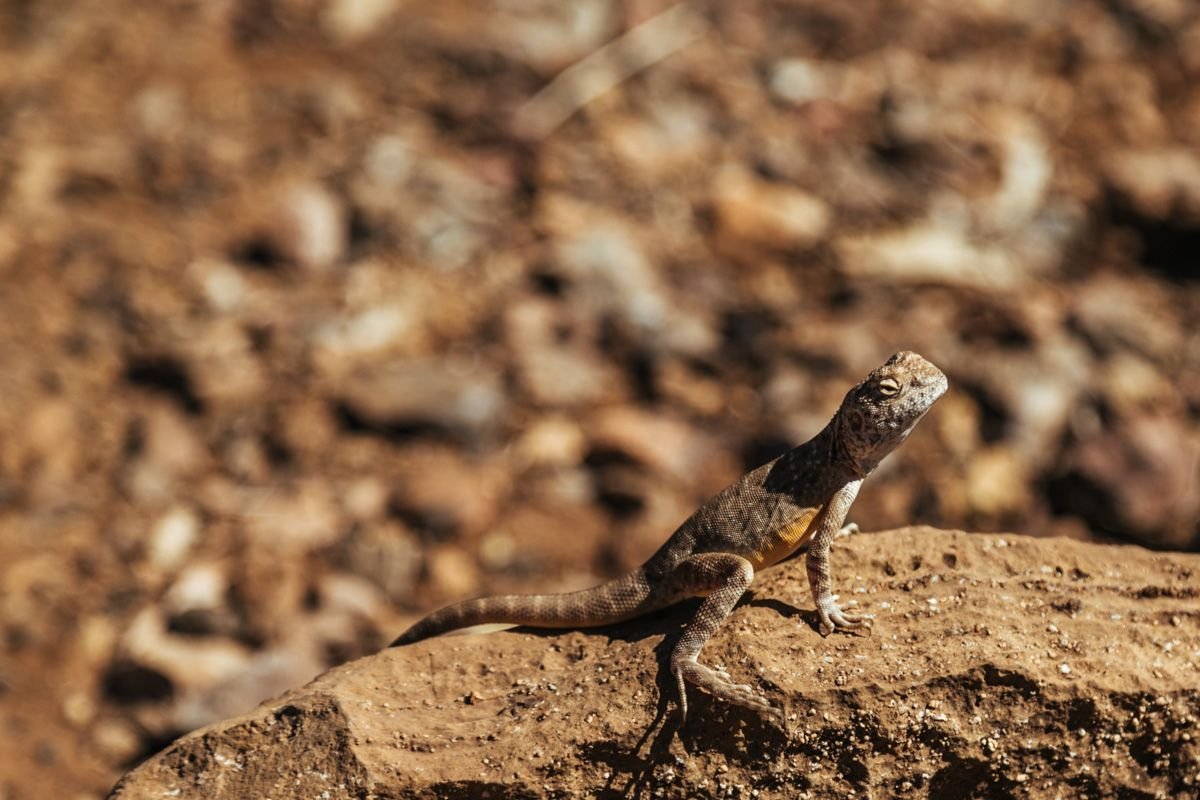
(620, 599)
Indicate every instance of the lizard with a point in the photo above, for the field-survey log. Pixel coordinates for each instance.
(794, 502)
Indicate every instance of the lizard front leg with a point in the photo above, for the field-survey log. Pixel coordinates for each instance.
(721, 578)
(828, 525)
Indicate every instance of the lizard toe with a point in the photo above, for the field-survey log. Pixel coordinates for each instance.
(747, 696)
(833, 618)
(719, 684)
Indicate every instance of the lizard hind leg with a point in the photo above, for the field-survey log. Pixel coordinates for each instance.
(721, 578)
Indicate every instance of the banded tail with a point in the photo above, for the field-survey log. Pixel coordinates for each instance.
(615, 601)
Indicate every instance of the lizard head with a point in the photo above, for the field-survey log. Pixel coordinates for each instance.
(879, 413)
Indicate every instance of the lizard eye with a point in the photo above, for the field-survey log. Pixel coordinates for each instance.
(888, 387)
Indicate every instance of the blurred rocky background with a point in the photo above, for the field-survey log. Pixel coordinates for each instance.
(315, 314)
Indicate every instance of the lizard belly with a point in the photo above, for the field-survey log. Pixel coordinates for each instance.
(785, 541)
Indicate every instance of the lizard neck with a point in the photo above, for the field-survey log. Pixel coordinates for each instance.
(841, 455)
(811, 472)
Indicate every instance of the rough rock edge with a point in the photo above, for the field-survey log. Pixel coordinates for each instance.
(962, 691)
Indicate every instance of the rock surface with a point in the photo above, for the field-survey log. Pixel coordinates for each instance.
(1000, 666)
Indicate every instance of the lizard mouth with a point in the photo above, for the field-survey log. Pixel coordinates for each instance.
(939, 387)
(930, 381)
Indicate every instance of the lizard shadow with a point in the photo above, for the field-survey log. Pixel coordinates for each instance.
(629, 762)
(785, 610)
(739, 734)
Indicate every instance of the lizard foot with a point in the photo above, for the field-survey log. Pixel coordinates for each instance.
(720, 685)
(834, 619)
(849, 529)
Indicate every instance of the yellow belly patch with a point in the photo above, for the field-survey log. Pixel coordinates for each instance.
(786, 540)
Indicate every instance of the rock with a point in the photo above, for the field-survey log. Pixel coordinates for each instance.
(171, 450)
(385, 553)
(349, 20)
(1118, 312)
(753, 211)
(264, 674)
(445, 495)
(671, 137)
(376, 328)
(51, 443)
(1132, 384)
(1026, 168)
(117, 739)
(343, 594)
(200, 587)
(607, 264)
(1137, 476)
(559, 376)
(309, 227)
(1156, 182)
(996, 483)
(997, 662)
(306, 427)
(365, 499)
(550, 536)
(223, 287)
(939, 251)
(155, 666)
(800, 80)
(455, 395)
(665, 445)
(442, 210)
(223, 365)
(555, 360)
(553, 440)
(451, 574)
(551, 40)
(389, 161)
(688, 388)
(173, 537)
(304, 517)
(1034, 396)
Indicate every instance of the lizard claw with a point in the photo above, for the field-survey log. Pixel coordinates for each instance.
(849, 529)
(834, 619)
(719, 684)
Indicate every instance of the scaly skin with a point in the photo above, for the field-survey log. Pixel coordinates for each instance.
(798, 500)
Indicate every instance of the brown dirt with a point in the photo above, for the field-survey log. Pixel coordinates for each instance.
(1001, 666)
(299, 338)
